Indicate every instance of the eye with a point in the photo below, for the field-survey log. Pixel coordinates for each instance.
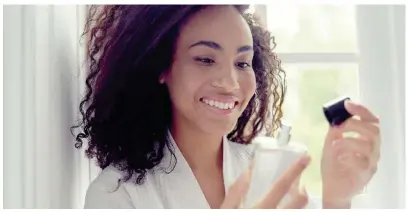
(204, 60)
(243, 65)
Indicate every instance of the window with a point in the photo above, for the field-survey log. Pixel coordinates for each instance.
(318, 48)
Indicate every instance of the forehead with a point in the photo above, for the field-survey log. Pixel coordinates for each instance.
(222, 24)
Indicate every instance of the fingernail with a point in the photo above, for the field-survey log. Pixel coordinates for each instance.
(305, 160)
(348, 103)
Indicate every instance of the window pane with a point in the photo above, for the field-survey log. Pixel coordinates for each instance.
(309, 87)
(312, 28)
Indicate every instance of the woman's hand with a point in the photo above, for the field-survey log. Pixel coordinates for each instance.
(285, 185)
(348, 163)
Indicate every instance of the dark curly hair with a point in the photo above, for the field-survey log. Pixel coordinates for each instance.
(126, 112)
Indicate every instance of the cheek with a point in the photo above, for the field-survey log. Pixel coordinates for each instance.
(248, 84)
(182, 86)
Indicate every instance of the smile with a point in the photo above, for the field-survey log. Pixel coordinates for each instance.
(220, 105)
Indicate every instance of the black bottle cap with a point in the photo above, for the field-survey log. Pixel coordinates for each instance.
(336, 112)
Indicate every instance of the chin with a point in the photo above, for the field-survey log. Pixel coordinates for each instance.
(220, 129)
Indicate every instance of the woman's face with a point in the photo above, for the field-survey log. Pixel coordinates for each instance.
(211, 79)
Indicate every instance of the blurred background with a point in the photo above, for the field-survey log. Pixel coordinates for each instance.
(326, 50)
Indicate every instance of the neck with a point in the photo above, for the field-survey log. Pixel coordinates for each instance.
(201, 150)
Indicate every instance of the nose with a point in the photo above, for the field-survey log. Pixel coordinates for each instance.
(227, 79)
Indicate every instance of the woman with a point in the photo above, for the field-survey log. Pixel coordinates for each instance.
(175, 96)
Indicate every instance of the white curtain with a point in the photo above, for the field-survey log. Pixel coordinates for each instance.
(42, 57)
(381, 37)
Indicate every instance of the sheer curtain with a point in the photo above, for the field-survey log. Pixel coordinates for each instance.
(381, 36)
(42, 57)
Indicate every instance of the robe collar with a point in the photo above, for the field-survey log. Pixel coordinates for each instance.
(179, 182)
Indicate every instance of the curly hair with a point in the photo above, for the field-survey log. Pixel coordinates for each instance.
(125, 113)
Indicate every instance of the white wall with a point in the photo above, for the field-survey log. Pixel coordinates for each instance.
(41, 93)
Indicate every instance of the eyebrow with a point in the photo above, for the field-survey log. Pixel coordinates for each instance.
(216, 46)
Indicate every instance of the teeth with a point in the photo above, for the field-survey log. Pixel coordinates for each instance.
(219, 105)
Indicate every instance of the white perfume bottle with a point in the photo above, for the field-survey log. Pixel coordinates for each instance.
(272, 157)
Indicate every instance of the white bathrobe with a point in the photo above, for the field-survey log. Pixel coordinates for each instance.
(178, 189)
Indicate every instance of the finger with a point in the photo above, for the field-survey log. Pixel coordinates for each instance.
(368, 130)
(357, 167)
(366, 162)
(334, 133)
(353, 145)
(237, 191)
(354, 161)
(360, 148)
(359, 110)
(284, 183)
(298, 200)
(294, 189)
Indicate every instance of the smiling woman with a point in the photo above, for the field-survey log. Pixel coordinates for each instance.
(219, 69)
(173, 82)
(176, 95)
(127, 117)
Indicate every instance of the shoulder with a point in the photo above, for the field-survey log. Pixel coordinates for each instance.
(105, 192)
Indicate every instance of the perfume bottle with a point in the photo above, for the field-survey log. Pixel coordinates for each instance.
(272, 157)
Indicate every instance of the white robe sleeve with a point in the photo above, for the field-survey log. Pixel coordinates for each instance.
(98, 197)
(105, 193)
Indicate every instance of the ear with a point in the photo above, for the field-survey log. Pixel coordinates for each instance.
(162, 77)
(161, 80)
